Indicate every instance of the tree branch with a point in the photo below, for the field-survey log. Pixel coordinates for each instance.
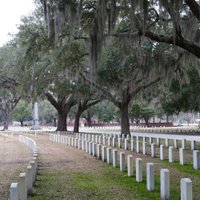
(194, 7)
(52, 100)
(178, 41)
(142, 87)
(105, 94)
(90, 104)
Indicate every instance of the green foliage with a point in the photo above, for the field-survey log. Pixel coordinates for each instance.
(138, 111)
(88, 15)
(185, 97)
(22, 111)
(47, 112)
(117, 65)
(147, 112)
(135, 111)
(103, 112)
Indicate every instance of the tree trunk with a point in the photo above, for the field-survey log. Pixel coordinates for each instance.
(146, 119)
(22, 123)
(62, 121)
(82, 106)
(76, 122)
(167, 118)
(125, 126)
(6, 124)
(54, 122)
(63, 106)
(89, 119)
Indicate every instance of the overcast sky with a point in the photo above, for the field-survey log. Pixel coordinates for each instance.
(10, 15)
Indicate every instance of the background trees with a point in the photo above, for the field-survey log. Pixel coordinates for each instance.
(184, 96)
(22, 112)
(107, 50)
(10, 88)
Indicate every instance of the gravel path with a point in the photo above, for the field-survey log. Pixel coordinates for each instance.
(53, 155)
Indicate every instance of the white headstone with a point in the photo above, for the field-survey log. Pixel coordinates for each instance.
(175, 143)
(166, 142)
(132, 145)
(196, 159)
(150, 176)
(137, 146)
(130, 165)
(164, 184)
(193, 145)
(94, 146)
(22, 186)
(161, 152)
(158, 141)
(183, 144)
(144, 148)
(122, 161)
(186, 189)
(103, 154)
(98, 151)
(181, 156)
(153, 150)
(119, 142)
(171, 154)
(138, 169)
(109, 158)
(150, 140)
(90, 148)
(114, 158)
(125, 144)
(14, 193)
(109, 141)
(113, 141)
(29, 179)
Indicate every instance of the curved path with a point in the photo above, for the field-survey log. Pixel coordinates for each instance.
(53, 155)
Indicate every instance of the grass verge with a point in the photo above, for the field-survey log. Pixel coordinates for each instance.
(107, 184)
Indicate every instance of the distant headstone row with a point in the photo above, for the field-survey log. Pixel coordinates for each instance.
(142, 129)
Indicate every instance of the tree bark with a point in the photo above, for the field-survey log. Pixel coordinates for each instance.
(194, 7)
(89, 119)
(22, 123)
(6, 123)
(82, 106)
(123, 106)
(125, 126)
(76, 122)
(146, 119)
(63, 106)
(54, 122)
(62, 121)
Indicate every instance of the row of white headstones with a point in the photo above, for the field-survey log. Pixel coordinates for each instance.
(96, 145)
(23, 187)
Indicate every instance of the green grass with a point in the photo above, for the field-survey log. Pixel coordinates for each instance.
(186, 168)
(107, 184)
(111, 184)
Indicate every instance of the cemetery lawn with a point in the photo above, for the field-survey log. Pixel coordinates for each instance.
(69, 173)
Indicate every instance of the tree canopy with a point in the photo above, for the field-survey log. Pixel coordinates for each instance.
(81, 52)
